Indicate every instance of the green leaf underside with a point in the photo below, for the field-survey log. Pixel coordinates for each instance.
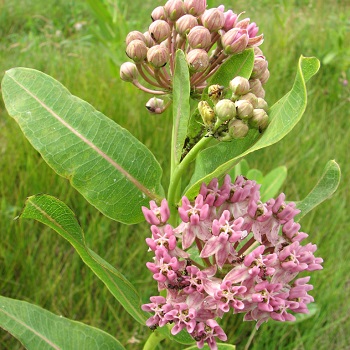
(237, 65)
(324, 189)
(220, 347)
(39, 329)
(103, 161)
(284, 115)
(181, 104)
(55, 214)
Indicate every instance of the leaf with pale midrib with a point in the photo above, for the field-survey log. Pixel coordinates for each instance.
(104, 162)
(39, 329)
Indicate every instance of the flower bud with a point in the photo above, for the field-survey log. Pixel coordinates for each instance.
(155, 105)
(244, 109)
(207, 113)
(213, 19)
(265, 77)
(230, 20)
(198, 60)
(234, 41)
(195, 7)
(199, 38)
(158, 13)
(158, 56)
(262, 104)
(215, 92)
(259, 120)
(174, 9)
(243, 24)
(137, 50)
(250, 98)
(256, 88)
(260, 65)
(237, 129)
(185, 23)
(134, 35)
(239, 86)
(159, 30)
(128, 72)
(149, 41)
(225, 110)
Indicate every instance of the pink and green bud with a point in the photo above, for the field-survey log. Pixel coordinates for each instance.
(149, 41)
(256, 88)
(213, 19)
(239, 86)
(158, 56)
(134, 35)
(237, 129)
(195, 7)
(159, 30)
(155, 105)
(234, 41)
(199, 38)
(174, 9)
(250, 98)
(260, 66)
(185, 23)
(244, 109)
(128, 72)
(262, 104)
(158, 13)
(198, 60)
(225, 110)
(265, 77)
(137, 50)
(207, 113)
(259, 120)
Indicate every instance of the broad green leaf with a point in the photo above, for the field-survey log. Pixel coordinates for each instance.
(39, 329)
(104, 162)
(272, 183)
(256, 175)
(221, 346)
(55, 214)
(284, 115)
(324, 189)
(181, 104)
(238, 65)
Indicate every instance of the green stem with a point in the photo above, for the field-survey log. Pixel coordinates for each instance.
(153, 340)
(177, 172)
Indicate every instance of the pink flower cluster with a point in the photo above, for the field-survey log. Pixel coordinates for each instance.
(248, 258)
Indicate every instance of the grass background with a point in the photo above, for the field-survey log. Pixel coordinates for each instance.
(38, 266)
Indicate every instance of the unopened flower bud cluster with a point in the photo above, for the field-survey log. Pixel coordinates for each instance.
(248, 258)
(235, 114)
(208, 37)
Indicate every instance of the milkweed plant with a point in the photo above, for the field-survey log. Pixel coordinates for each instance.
(221, 240)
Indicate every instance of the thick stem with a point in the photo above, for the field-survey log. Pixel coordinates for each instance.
(153, 340)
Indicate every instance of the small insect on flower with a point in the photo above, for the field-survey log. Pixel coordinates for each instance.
(216, 92)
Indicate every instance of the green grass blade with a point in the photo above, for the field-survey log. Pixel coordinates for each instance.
(39, 329)
(324, 189)
(55, 214)
(103, 161)
(285, 114)
(181, 105)
(272, 183)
